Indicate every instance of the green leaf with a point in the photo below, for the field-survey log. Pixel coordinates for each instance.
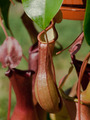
(87, 22)
(41, 11)
(4, 6)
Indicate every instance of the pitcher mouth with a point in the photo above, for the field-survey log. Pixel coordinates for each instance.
(9, 72)
(51, 34)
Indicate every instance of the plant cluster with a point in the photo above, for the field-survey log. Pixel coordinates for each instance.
(36, 90)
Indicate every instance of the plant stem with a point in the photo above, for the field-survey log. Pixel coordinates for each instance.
(68, 46)
(25, 58)
(82, 70)
(28, 23)
(4, 30)
(9, 103)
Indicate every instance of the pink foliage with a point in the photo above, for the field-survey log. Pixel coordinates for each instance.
(77, 44)
(10, 53)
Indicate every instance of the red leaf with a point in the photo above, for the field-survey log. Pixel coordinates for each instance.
(77, 44)
(10, 53)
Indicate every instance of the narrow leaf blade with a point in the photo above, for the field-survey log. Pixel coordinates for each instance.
(87, 22)
(4, 5)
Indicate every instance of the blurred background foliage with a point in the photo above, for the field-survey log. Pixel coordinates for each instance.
(67, 32)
